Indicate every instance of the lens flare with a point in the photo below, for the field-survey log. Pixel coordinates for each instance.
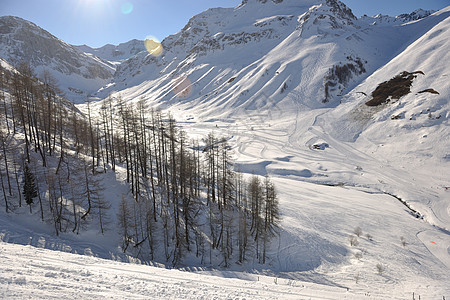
(127, 8)
(153, 46)
(182, 87)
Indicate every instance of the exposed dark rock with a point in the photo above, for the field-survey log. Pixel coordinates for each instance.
(394, 89)
(341, 74)
(432, 91)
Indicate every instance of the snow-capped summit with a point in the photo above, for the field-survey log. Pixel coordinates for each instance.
(264, 53)
(398, 20)
(77, 73)
(241, 53)
(115, 54)
(415, 15)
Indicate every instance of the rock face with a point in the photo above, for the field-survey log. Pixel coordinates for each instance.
(415, 15)
(23, 41)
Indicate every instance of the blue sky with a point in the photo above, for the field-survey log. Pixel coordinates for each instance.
(98, 22)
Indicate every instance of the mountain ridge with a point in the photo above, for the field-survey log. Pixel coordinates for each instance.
(263, 30)
(363, 190)
(78, 74)
(94, 67)
(115, 53)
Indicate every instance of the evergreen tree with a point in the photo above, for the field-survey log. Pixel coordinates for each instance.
(29, 186)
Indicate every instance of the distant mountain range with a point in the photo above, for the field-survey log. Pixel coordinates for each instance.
(115, 54)
(348, 115)
(78, 73)
(297, 46)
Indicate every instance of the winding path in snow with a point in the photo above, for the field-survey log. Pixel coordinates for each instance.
(438, 243)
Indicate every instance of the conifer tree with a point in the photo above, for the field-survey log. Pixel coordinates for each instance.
(29, 186)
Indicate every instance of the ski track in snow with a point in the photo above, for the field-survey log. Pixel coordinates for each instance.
(438, 243)
(29, 272)
(279, 140)
(261, 150)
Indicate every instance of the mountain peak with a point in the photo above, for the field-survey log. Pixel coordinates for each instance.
(381, 19)
(115, 53)
(340, 9)
(22, 40)
(290, 2)
(336, 7)
(416, 15)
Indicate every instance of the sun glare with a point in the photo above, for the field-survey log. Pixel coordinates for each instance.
(93, 8)
(182, 87)
(127, 8)
(153, 46)
(103, 8)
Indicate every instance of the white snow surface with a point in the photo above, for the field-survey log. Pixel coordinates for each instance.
(115, 54)
(363, 164)
(27, 272)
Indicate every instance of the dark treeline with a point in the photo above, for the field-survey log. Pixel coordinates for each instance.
(185, 197)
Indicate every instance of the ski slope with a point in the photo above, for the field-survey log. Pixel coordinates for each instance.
(27, 272)
(324, 195)
(336, 167)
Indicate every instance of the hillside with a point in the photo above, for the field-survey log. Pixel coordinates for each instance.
(78, 74)
(115, 54)
(411, 129)
(262, 54)
(268, 88)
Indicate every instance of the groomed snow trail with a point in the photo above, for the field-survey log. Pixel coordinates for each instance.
(27, 272)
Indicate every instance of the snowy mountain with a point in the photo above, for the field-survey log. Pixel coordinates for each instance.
(413, 127)
(225, 53)
(115, 54)
(349, 116)
(263, 53)
(400, 19)
(77, 73)
(288, 83)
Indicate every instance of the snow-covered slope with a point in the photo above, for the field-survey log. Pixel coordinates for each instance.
(115, 54)
(413, 129)
(33, 273)
(6, 65)
(261, 53)
(267, 92)
(403, 18)
(238, 57)
(287, 60)
(286, 83)
(77, 73)
(28, 272)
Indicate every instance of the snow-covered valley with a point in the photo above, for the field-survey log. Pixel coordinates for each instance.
(364, 191)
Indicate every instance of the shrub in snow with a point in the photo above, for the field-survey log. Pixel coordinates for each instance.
(358, 255)
(380, 269)
(357, 231)
(403, 241)
(357, 277)
(353, 240)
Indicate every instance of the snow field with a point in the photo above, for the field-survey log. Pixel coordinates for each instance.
(325, 192)
(35, 273)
